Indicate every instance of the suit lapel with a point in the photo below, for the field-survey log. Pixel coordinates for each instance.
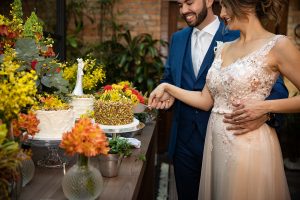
(181, 47)
(209, 57)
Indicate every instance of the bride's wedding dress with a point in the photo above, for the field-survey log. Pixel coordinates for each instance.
(248, 166)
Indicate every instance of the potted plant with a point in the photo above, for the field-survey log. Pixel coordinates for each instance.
(109, 164)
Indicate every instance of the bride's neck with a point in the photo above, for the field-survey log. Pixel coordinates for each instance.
(252, 30)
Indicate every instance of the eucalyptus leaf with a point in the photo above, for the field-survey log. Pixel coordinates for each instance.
(26, 49)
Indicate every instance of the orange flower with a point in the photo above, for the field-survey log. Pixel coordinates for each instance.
(27, 124)
(85, 138)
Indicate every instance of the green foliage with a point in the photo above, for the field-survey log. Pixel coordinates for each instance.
(32, 26)
(125, 57)
(48, 69)
(120, 146)
(136, 59)
(75, 11)
(142, 157)
(17, 9)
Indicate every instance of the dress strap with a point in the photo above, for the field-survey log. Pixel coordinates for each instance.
(218, 48)
(269, 45)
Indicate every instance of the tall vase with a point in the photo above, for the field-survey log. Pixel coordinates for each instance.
(27, 165)
(15, 186)
(82, 181)
(27, 168)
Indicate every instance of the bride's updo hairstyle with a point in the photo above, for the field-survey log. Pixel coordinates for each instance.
(266, 10)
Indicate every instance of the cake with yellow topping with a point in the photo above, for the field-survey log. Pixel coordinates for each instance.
(114, 104)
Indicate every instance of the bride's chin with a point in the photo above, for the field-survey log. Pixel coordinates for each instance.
(231, 28)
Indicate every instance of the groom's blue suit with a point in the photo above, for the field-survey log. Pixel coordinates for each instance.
(188, 123)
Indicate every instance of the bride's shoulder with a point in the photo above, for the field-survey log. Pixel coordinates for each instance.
(283, 42)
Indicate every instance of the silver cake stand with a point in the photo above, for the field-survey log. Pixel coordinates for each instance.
(52, 159)
(114, 130)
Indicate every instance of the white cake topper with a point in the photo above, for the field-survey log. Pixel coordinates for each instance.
(78, 87)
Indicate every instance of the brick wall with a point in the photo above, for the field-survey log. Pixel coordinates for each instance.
(141, 16)
(293, 20)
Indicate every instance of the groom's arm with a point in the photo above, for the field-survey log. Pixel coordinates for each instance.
(279, 91)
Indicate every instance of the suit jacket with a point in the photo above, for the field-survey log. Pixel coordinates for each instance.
(173, 75)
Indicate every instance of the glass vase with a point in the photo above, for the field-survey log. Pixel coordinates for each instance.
(14, 186)
(27, 169)
(82, 181)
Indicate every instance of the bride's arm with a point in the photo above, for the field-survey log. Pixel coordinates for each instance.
(201, 100)
(286, 58)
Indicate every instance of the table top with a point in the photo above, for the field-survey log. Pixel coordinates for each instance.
(46, 184)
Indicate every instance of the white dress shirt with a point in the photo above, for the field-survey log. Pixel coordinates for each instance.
(200, 42)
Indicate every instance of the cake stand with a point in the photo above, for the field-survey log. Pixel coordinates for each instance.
(118, 129)
(52, 159)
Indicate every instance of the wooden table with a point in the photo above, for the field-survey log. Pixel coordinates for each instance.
(134, 181)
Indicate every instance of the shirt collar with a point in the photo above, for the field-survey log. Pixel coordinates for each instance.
(210, 28)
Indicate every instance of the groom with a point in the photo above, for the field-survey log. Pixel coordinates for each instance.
(191, 54)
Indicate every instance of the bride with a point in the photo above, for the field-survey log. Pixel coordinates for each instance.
(247, 166)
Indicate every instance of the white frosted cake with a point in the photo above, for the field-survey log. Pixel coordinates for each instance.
(82, 105)
(54, 123)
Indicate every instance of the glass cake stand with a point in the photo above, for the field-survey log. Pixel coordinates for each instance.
(52, 159)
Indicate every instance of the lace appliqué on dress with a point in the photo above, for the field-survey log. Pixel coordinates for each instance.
(246, 78)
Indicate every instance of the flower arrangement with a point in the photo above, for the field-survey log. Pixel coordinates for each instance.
(122, 91)
(17, 88)
(85, 138)
(11, 29)
(94, 75)
(52, 102)
(9, 151)
(31, 50)
(25, 125)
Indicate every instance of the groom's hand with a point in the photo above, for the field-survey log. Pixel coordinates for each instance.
(166, 101)
(239, 123)
(239, 128)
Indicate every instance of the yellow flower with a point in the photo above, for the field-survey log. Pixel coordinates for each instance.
(93, 76)
(17, 89)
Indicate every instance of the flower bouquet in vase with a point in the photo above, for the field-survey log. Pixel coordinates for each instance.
(86, 139)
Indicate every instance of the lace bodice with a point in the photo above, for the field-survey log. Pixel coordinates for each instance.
(246, 78)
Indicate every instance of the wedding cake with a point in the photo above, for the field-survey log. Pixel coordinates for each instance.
(81, 105)
(113, 113)
(54, 123)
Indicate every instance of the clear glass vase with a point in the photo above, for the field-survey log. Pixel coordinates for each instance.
(82, 181)
(27, 169)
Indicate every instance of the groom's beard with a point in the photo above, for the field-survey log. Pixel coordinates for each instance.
(199, 17)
